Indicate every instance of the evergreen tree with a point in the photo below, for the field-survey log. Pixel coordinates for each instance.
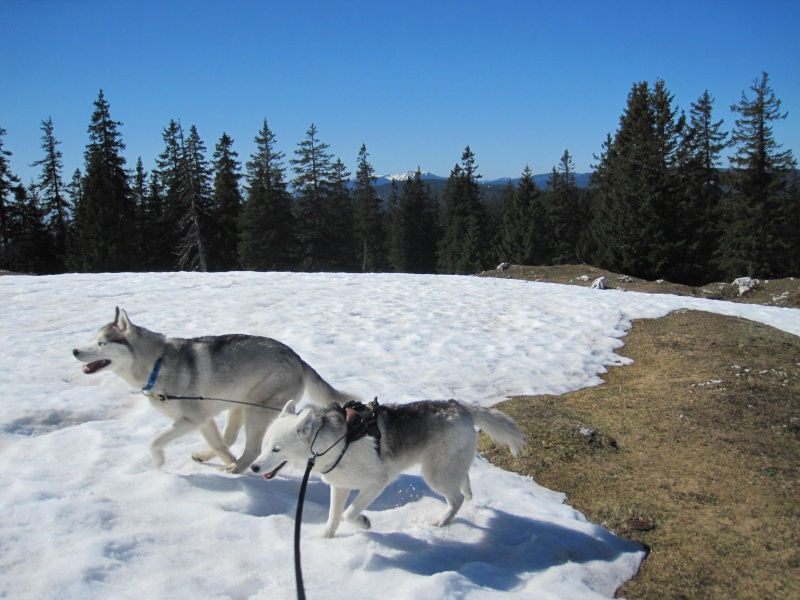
(74, 190)
(316, 235)
(56, 208)
(464, 245)
(139, 189)
(636, 187)
(566, 212)
(267, 225)
(194, 194)
(413, 231)
(9, 188)
(703, 144)
(342, 251)
(166, 207)
(368, 220)
(227, 203)
(106, 218)
(517, 223)
(393, 225)
(759, 236)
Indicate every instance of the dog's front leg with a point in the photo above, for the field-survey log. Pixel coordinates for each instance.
(338, 498)
(362, 501)
(173, 432)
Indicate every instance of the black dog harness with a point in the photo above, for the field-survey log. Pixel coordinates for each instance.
(361, 419)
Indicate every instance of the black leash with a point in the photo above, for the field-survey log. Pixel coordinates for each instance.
(298, 518)
(364, 423)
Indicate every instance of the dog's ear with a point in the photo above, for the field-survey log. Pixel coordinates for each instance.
(305, 423)
(288, 409)
(122, 321)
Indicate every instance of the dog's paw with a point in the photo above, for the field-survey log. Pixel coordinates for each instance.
(202, 456)
(230, 468)
(157, 457)
(362, 521)
(330, 532)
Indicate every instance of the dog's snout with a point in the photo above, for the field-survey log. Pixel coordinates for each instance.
(255, 468)
(75, 352)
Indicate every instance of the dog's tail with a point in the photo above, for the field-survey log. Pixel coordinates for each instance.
(320, 391)
(499, 427)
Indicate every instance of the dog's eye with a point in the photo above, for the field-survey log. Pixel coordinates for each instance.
(101, 343)
(276, 449)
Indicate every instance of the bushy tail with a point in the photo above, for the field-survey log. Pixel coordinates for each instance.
(499, 427)
(320, 391)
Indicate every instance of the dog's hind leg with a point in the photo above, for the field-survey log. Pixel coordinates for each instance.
(211, 434)
(446, 481)
(466, 488)
(338, 499)
(254, 429)
(173, 432)
(233, 423)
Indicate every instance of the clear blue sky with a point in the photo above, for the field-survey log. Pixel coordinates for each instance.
(416, 81)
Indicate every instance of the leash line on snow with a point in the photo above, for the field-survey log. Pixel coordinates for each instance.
(165, 397)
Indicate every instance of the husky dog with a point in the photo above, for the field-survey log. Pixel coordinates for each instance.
(259, 373)
(438, 435)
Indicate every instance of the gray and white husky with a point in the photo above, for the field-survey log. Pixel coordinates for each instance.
(438, 435)
(261, 372)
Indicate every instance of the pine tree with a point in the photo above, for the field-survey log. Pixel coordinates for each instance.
(412, 227)
(759, 236)
(518, 227)
(74, 190)
(393, 225)
(9, 188)
(56, 208)
(566, 212)
(464, 245)
(106, 218)
(636, 187)
(267, 225)
(702, 147)
(227, 205)
(141, 201)
(194, 194)
(316, 235)
(166, 207)
(343, 256)
(368, 220)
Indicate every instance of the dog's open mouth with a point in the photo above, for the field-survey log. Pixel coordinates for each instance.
(95, 366)
(274, 472)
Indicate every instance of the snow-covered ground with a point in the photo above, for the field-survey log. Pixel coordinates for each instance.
(83, 513)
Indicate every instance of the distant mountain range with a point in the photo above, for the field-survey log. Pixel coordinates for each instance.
(492, 190)
(581, 179)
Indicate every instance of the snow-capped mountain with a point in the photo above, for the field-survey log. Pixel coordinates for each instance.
(400, 177)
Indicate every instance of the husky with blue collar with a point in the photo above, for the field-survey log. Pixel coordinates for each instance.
(193, 380)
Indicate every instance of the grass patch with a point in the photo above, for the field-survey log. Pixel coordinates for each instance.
(693, 450)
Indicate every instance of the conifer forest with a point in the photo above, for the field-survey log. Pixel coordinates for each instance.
(672, 195)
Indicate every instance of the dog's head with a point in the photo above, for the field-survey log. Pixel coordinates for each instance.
(111, 348)
(288, 440)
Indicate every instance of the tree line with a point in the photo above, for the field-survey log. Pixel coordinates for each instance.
(659, 204)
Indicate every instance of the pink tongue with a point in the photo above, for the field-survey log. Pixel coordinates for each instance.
(86, 368)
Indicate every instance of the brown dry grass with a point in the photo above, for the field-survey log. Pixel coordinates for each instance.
(700, 438)
(775, 292)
